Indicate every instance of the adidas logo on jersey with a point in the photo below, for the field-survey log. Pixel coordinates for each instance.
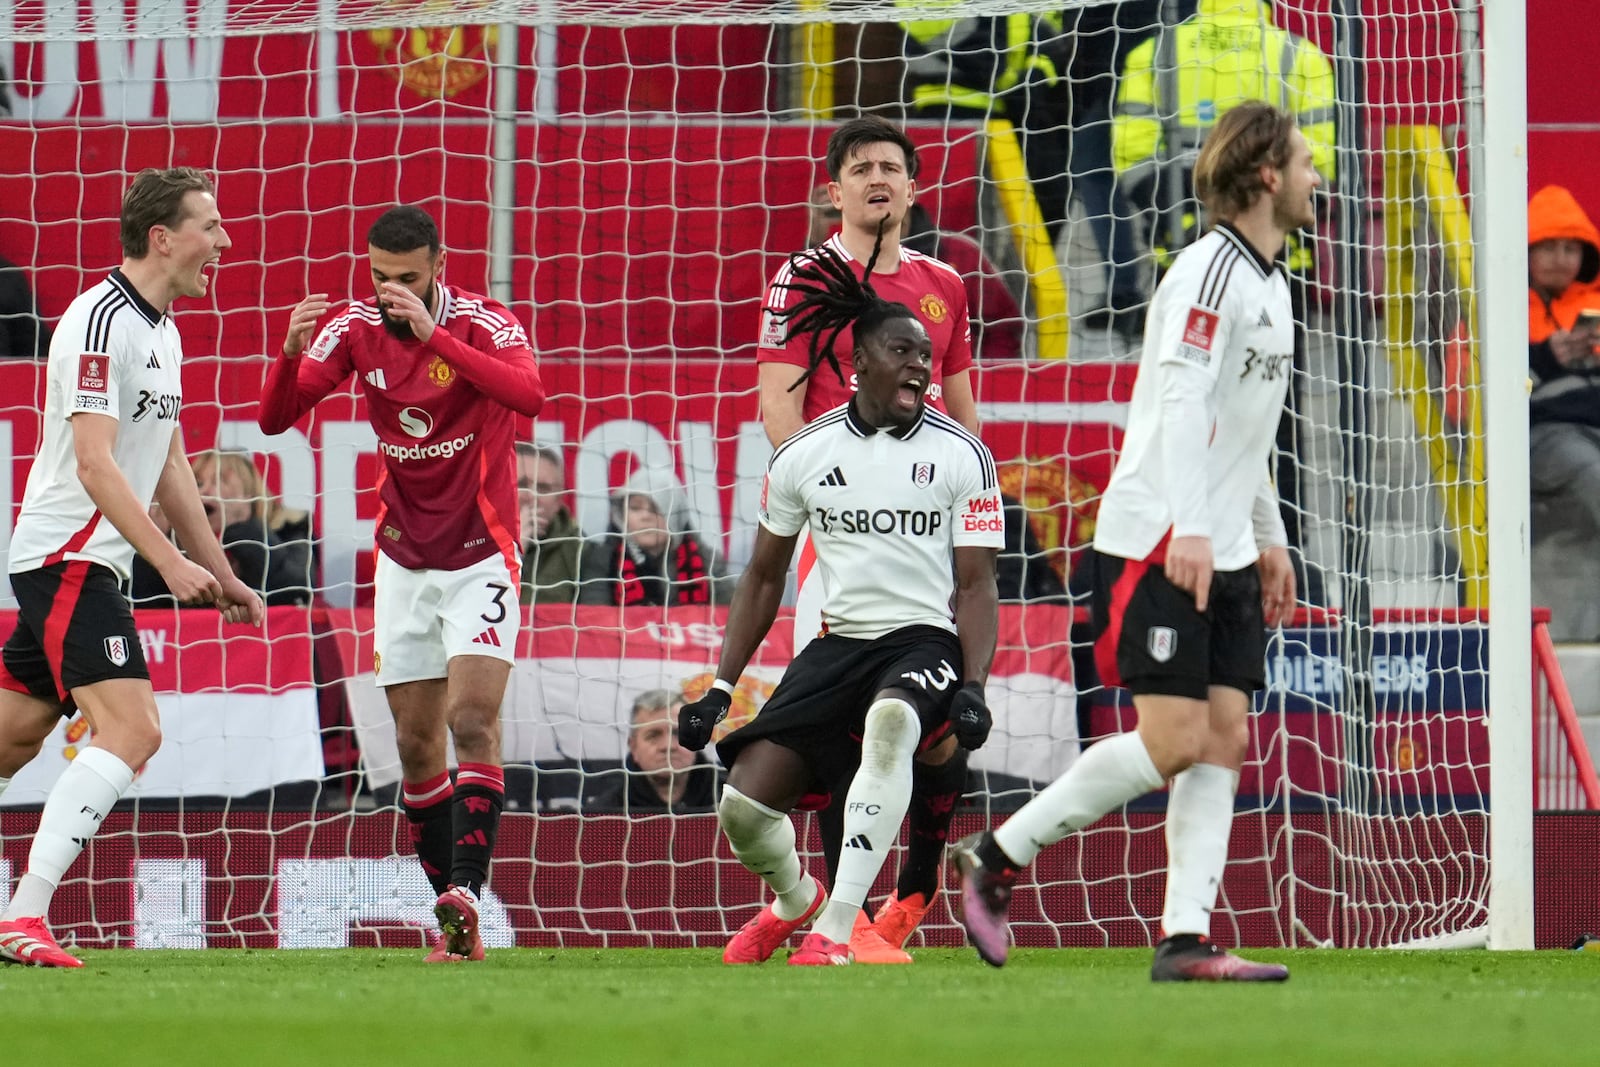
(835, 477)
(488, 637)
(375, 378)
(1263, 320)
(154, 364)
(859, 841)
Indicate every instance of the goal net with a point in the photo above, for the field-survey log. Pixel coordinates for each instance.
(626, 177)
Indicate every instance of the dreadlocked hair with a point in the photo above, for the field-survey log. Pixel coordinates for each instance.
(833, 299)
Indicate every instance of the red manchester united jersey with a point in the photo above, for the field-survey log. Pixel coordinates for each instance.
(442, 411)
(928, 287)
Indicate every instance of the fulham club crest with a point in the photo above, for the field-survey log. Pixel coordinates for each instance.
(117, 650)
(1163, 643)
(922, 475)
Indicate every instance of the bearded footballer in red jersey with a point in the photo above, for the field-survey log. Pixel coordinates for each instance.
(442, 370)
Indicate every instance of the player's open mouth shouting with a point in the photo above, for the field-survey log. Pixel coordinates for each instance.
(909, 395)
(206, 270)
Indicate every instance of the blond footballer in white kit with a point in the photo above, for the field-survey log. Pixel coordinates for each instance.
(111, 445)
(1190, 557)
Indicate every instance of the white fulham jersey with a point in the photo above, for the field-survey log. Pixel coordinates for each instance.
(1224, 311)
(112, 354)
(886, 508)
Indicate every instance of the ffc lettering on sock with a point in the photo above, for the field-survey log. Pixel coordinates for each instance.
(81, 798)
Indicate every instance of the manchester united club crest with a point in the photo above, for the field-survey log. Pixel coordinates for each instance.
(437, 62)
(922, 475)
(441, 373)
(117, 650)
(1163, 643)
(1042, 487)
(933, 308)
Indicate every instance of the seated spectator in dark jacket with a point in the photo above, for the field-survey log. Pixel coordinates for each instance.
(269, 546)
(651, 555)
(658, 775)
(1564, 410)
(23, 334)
(1023, 571)
(1563, 312)
(551, 542)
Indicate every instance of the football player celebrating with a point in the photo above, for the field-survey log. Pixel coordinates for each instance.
(872, 182)
(111, 445)
(903, 506)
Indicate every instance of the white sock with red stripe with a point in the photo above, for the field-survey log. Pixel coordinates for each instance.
(1199, 820)
(1108, 774)
(879, 795)
(84, 795)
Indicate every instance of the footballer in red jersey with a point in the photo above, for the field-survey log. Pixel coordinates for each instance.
(443, 370)
(872, 171)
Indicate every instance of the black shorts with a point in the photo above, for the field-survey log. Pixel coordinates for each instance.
(74, 627)
(1150, 639)
(819, 708)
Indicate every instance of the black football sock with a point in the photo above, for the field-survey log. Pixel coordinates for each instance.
(475, 814)
(427, 808)
(935, 792)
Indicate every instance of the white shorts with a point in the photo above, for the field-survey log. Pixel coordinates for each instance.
(423, 619)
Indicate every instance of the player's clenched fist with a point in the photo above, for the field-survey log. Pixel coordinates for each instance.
(970, 719)
(696, 721)
(303, 323)
(238, 602)
(190, 583)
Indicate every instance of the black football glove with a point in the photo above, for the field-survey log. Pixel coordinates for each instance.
(697, 720)
(970, 720)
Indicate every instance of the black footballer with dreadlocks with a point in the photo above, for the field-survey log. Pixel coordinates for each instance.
(834, 299)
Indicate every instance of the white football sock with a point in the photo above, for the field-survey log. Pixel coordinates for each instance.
(1108, 774)
(875, 806)
(1199, 819)
(84, 795)
(763, 840)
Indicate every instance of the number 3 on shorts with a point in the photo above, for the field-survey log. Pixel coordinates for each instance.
(497, 603)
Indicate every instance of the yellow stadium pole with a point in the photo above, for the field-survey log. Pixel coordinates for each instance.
(816, 46)
(1424, 205)
(1045, 283)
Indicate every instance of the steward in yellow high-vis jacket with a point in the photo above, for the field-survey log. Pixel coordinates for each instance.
(1176, 85)
(1005, 66)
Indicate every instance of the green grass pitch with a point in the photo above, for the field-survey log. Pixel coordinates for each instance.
(602, 1007)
